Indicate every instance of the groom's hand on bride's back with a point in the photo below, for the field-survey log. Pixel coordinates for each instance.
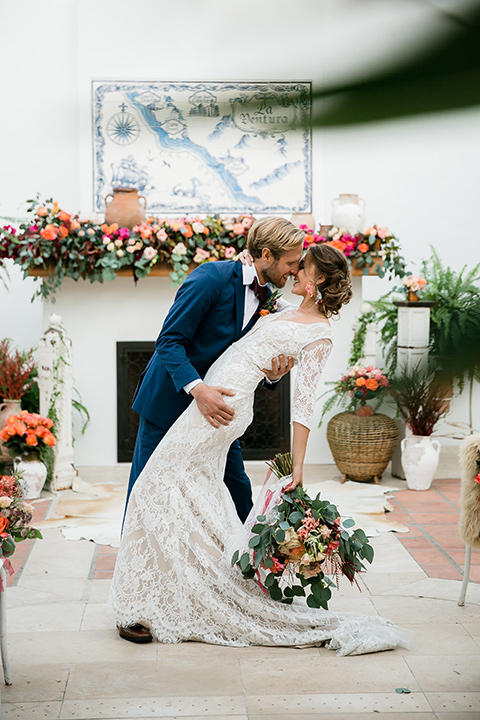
(211, 404)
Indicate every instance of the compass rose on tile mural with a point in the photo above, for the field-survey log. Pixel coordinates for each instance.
(122, 127)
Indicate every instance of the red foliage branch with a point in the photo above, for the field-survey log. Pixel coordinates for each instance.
(16, 370)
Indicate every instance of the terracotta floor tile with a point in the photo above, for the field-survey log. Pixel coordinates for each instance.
(107, 550)
(103, 575)
(416, 543)
(105, 562)
(445, 571)
(475, 572)
(459, 557)
(428, 557)
(429, 518)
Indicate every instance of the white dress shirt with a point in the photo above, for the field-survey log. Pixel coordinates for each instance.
(249, 273)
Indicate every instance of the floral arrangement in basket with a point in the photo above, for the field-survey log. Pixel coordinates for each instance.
(357, 386)
(75, 247)
(297, 542)
(25, 432)
(363, 249)
(15, 518)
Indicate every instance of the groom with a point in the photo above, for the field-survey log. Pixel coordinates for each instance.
(216, 305)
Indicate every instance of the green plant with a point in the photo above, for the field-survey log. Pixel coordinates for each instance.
(418, 397)
(455, 318)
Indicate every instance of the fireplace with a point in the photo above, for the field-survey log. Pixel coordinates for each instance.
(268, 434)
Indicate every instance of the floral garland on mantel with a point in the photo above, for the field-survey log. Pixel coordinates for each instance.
(69, 246)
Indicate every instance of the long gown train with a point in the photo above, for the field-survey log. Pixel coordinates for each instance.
(173, 571)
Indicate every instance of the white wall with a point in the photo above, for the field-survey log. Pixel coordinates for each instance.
(418, 176)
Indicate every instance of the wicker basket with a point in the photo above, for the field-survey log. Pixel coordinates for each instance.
(362, 446)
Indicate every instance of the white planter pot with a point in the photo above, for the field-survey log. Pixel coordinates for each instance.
(420, 456)
(34, 474)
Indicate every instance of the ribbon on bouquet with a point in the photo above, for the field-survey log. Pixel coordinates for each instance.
(5, 562)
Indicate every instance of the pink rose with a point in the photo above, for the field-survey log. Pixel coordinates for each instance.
(238, 229)
(247, 222)
(230, 252)
(162, 235)
(201, 255)
(149, 253)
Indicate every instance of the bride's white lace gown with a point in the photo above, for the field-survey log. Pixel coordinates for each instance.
(173, 574)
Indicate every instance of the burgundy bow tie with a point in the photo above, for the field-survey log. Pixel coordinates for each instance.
(261, 291)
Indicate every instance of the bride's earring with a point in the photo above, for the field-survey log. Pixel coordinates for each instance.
(319, 298)
(309, 287)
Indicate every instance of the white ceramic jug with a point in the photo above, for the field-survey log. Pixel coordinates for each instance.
(420, 456)
(33, 474)
(348, 211)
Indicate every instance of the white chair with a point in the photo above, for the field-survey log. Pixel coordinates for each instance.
(469, 525)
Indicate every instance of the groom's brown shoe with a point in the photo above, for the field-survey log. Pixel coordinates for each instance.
(135, 633)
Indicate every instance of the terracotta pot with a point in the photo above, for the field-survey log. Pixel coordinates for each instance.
(412, 297)
(125, 208)
(7, 408)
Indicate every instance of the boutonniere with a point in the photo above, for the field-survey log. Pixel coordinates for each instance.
(270, 305)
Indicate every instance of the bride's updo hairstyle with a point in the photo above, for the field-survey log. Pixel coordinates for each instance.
(336, 289)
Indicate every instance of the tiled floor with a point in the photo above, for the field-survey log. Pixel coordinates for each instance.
(67, 660)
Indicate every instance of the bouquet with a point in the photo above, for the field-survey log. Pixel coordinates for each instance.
(26, 431)
(297, 542)
(15, 516)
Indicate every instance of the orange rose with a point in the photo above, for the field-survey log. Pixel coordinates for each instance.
(62, 232)
(359, 382)
(31, 439)
(49, 233)
(19, 428)
(4, 435)
(74, 225)
(363, 247)
(47, 422)
(309, 239)
(63, 216)
(371, 384)
(188, 232)
(49, 439)
(339, 244)
(42, 212)
(40, 431)
(4, 523)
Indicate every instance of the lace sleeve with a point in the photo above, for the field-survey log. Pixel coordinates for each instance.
(311, 362)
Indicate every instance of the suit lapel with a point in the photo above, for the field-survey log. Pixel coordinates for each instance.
(239, 298)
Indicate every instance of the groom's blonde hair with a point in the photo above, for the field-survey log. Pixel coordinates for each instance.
(277, 234)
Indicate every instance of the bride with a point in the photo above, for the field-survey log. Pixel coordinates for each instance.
(173, 573)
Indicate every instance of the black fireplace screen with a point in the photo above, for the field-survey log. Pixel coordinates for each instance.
(268, 434)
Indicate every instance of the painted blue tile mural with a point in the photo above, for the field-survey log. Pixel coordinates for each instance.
(204, 147)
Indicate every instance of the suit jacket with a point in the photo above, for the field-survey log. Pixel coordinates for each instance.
(205, 318)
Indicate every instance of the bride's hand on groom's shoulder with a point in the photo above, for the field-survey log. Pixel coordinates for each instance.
(245, 257)
(211, 404)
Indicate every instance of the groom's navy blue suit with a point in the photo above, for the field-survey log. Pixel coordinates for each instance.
(205, 318)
